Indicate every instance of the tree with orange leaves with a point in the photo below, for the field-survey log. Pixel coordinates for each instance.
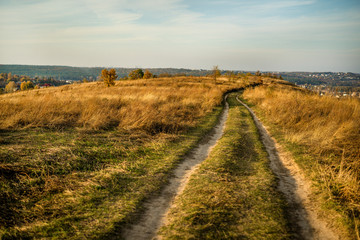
(109, 77)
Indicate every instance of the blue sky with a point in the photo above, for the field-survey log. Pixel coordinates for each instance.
(279, 35)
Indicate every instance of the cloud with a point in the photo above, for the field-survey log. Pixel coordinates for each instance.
(174, 31)
(263, 5)
(283, 4)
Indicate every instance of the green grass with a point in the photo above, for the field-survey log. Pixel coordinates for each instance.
(76, 184)
(233, 194)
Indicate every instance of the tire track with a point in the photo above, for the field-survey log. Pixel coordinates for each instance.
(302, 211)
(157, 207)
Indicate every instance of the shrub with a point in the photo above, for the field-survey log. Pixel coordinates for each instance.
(136, 74)
(147, 75)
(108, 77)
(10, 87)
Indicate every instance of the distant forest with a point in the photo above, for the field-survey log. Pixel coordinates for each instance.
(62, 73)
(79, 73)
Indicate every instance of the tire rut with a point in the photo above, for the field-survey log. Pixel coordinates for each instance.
(156, 208)
(303, 215)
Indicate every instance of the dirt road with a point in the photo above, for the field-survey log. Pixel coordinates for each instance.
(157, 207)
(292, 183)
(302, 212)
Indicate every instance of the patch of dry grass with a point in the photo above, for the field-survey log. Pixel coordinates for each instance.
(77, 161)
(159, 105)
(329, 129)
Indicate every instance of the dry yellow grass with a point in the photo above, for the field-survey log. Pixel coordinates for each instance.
(329, 128)
(161, 105)
(58, 181)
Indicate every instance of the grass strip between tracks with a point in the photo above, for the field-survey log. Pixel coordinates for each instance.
(233, 193)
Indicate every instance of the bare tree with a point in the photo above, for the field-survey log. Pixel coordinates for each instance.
(216, 73)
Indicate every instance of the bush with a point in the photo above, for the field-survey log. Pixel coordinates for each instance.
(136, 74)
(108, 77)
(26, 85)
(10, 87)
(147, 75)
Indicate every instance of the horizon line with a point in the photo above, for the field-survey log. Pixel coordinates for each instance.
(192, 69)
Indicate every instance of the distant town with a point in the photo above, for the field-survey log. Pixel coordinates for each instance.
(323, 78)
(338, 92)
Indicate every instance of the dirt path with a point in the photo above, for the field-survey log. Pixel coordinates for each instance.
(292, 183)
(156, 208)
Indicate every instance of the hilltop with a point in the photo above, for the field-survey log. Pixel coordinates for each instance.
(78, 73)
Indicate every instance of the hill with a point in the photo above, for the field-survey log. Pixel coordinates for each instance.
(79, 160)
(78, 73)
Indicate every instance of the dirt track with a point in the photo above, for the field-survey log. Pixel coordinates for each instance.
(303, 214)
(157, 207)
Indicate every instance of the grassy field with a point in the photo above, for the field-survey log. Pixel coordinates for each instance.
(77, 161)
(233, 194)
(323, 134)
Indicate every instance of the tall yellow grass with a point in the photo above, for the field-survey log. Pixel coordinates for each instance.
(153, 105)
(328, 127)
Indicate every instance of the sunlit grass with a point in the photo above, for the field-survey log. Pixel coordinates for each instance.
(77, 161)
(324, 135)
(233, 194)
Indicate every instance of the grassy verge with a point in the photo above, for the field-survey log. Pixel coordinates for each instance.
(324, 142)
(77, 184)
(233, 193)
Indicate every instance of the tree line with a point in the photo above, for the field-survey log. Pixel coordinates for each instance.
(12, 82)
(78, 73)
(109, 76)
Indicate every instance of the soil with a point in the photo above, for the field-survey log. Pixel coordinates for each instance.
(156, 208)
(302, 211)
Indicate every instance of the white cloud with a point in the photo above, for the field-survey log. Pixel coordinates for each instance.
(283, 4)
(61, 31)
(264, 5)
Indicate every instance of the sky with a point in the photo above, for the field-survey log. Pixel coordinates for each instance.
(272, 35)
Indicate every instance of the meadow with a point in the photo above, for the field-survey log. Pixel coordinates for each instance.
(233, 194)
(77, 161)
(323, 134)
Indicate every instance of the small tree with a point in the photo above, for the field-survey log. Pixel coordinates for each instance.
(23, 86)
(10, 87)
(30, 85)
(136, 74)
(85, 80)
(147, 75)
(9, 77)
(26, 85)
(216, 73)
(108, 77)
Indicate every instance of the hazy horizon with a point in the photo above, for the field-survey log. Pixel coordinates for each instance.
(149, 68)
(280, 35)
